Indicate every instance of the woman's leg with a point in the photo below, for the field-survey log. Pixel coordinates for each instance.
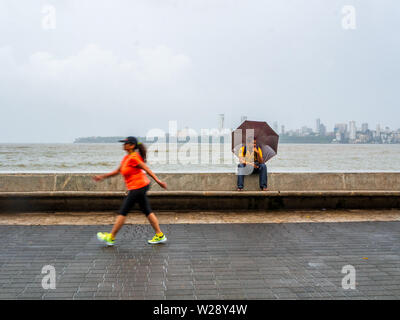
(126, 206)
(154, 222)
(144, 205)
(159, 237)
(146, 209)
(118, 225)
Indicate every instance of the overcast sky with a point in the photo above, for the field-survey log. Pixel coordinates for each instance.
(118, 68)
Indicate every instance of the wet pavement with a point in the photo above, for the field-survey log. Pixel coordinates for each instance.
(203, 261)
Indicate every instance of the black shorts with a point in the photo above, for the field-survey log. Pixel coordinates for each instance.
(139, 196)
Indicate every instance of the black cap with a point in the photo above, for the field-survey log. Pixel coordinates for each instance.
(131, 140)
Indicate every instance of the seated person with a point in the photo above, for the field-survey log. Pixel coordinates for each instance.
(251, 155)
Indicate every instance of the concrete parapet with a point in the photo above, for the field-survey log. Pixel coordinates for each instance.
(206, 182)
(202, 191)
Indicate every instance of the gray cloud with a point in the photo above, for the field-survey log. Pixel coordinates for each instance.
(124, 67)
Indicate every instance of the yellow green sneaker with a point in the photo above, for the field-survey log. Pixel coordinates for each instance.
(106, 237)
(156, 239)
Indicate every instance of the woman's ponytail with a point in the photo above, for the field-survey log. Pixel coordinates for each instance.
(142, 150)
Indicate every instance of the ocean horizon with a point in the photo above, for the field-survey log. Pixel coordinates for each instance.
(105, 157)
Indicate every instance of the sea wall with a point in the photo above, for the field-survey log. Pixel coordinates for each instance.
(205, 182)
(202, 191)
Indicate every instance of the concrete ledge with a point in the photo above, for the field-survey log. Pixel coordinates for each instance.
(97, 194)
(203, 191)
(24, 182)
(200, 200)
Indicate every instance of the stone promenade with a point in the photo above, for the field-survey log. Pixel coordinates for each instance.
(203, 261)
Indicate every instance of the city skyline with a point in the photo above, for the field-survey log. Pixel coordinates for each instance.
(342, 132)
(319, 127)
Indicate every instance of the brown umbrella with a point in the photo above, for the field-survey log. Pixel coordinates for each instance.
(266, 138)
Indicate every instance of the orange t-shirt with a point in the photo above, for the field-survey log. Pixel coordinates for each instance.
(135, 178)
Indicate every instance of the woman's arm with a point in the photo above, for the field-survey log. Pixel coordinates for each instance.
(143, 166)
(107, 175)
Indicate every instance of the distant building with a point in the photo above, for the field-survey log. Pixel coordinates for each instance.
(322, 130)
(243, 119)
(364, 127)
(341, 128)
(305, 131)
(318, 126)
(352, 130)
(221, 118)
(378, 131)
(342, 133)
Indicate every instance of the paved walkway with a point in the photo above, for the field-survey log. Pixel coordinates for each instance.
(203, 261)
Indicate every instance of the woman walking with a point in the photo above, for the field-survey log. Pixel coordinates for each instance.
(137, 183)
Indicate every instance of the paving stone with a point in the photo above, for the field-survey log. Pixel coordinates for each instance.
(296, 261)
(208, 297)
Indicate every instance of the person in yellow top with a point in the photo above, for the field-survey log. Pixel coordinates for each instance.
(251, 155)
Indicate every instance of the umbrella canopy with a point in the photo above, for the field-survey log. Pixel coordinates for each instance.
(266, 138)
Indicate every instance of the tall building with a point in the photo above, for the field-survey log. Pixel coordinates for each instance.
(243, 119)
(352, 130)
(378, 130)
(283, 129)
(364, 127)
(322, 130)
(317, 126)
(221, 117)
(341, 128)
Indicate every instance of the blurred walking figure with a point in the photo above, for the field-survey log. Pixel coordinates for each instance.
(251, 155)
(133, 169)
